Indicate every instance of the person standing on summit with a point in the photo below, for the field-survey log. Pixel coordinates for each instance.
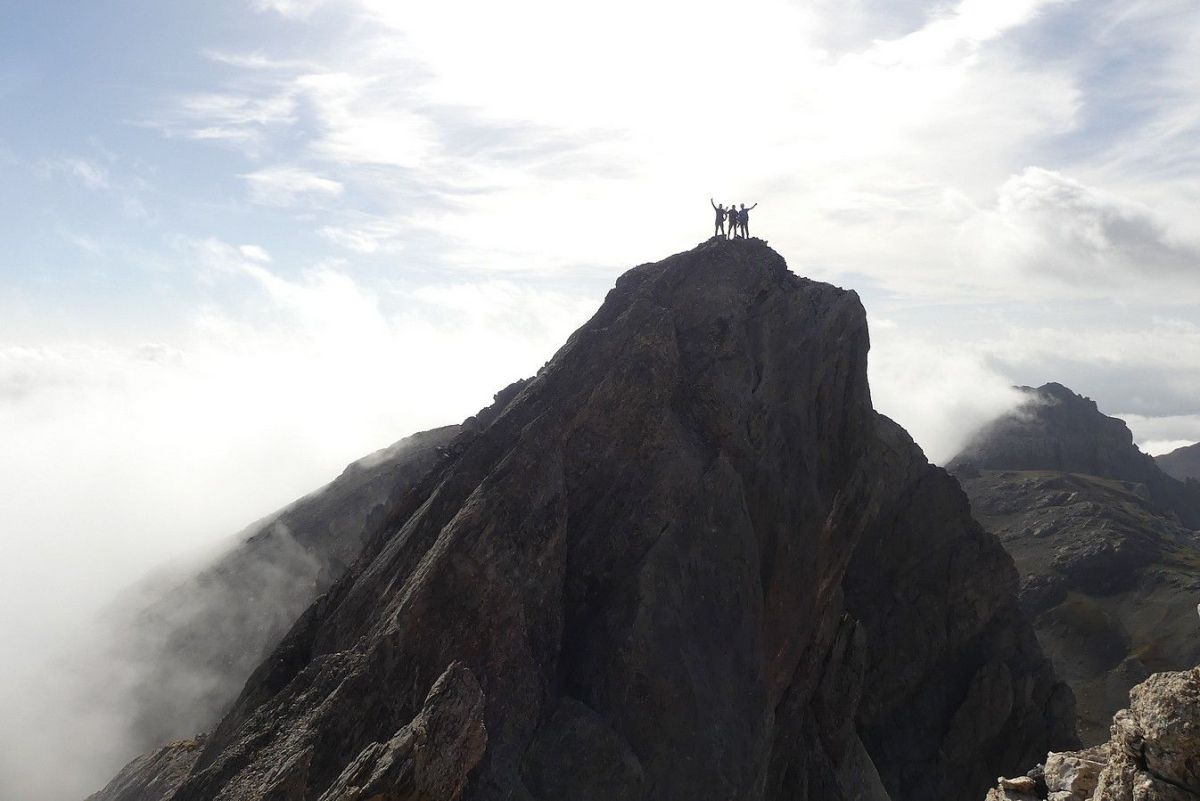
(742, 217)
(719, 225)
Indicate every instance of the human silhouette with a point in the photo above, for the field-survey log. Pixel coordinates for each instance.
(719, 225)
(733, 220)
(743, 219)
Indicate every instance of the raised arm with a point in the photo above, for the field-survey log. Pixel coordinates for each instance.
(714, 205)
(752, 207)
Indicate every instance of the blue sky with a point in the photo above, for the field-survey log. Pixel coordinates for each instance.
(247, 241)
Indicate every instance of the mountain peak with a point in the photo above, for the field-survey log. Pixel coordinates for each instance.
(1058, 429)
(674, 563)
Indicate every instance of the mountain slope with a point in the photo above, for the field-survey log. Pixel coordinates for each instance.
(1108, 568)
(1181, 463)
(190, 643)
(687, 560)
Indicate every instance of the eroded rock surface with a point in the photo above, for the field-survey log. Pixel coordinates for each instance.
(1154, 753)
(687, 560)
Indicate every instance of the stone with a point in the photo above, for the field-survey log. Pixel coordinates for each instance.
(1021, 784)
(1154, 753)
(1075, 774)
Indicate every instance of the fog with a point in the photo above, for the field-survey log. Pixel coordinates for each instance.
(120, 459)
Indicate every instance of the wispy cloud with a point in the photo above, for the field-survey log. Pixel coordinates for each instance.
(288, 185)
(88, 173)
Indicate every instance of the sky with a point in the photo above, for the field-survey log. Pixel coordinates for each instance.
(248, 241)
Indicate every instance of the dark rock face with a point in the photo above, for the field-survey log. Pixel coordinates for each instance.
(687, 560)
(1108, 570)
(1064, 432)
(1181, 463)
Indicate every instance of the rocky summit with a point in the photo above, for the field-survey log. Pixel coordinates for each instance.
(1104, 542)
(686, 560)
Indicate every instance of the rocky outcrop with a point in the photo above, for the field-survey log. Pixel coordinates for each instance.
(155, 776)
(1108, 571)
(687, 560)
(1181, 463)
(430, 758)
(1154, 753)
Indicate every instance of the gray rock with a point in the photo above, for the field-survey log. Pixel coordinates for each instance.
(1074, 774)
(1154, 753)
(428, 759)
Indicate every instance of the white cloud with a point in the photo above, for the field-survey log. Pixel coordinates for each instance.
(1047, 228)
(287, 185)
(940, 391)
(254, 253)
(290, 8)
(244, 118)
(367, 236)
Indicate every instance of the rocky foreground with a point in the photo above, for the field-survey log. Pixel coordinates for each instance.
(686, 560)
(1153, 754)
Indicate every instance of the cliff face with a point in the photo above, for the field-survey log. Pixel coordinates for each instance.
(686, 560)
(1108, 567)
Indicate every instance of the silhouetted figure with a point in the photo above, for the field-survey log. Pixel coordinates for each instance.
(743, 219)
(719, 225)
(733, 220)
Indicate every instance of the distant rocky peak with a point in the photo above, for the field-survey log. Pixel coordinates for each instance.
(1057, 429)
(1182, 463)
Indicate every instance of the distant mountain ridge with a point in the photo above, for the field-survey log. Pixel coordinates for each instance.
(1104, 541)
(1181, 463)
(1056, 429)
